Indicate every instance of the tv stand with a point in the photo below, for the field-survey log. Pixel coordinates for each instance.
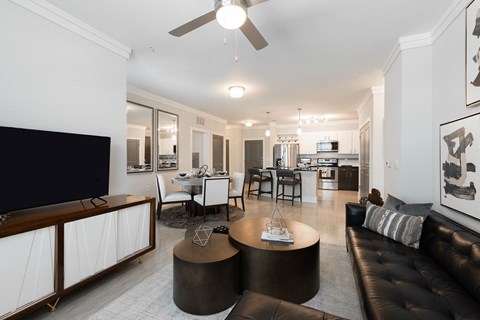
(54, 250)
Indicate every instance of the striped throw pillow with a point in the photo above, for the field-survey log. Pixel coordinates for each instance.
(400, 227)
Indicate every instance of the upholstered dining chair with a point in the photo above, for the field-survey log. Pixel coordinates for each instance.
(237, 188)
(164, 197)
(214, 194)
(261, 177)
(289, 178)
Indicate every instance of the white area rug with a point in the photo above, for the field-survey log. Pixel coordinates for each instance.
(152, 299)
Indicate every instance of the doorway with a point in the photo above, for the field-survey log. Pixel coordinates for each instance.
(217, 152)
(365, 160)
(253, 154)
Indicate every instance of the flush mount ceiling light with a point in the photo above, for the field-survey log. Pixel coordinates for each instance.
(231, 14)
(236, 91)
(299, 129)
(267, 132)
(248, 123)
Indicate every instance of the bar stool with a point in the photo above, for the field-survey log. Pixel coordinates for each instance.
(289, 178)
(264, 176)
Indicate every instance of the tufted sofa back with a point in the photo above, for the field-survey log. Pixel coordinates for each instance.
(455, 248)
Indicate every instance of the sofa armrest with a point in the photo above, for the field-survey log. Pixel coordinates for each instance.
(355, 214)
(256, 306)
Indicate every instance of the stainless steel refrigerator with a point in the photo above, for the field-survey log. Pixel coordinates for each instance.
(285, 155)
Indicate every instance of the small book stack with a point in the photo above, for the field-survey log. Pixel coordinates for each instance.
(284, 237)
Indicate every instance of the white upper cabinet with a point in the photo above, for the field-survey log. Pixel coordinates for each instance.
(327, 136)
(348, 142)
(308, 142)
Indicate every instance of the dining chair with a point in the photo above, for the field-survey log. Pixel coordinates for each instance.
(238, 187)
(214, 194)
(165, 197)
(289, 178)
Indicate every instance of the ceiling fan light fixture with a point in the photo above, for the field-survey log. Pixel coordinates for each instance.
(230, 14)
(236, 91)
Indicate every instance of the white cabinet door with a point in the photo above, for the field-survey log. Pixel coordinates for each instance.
(356, 141)
(327, 136)
(90, 246)
(348, 142)
(27, 268)
(308, 143)
(345, 142)
(133, 230)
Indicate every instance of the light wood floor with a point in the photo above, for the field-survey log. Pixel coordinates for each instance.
(327, 216)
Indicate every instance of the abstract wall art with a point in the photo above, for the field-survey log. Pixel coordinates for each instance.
(459, 165)
(472, 54)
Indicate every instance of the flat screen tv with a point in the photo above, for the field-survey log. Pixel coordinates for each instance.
(39, 168)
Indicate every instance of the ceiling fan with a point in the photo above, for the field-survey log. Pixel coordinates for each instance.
(221, 9)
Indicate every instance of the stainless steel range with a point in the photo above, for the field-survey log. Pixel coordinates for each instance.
(327, 173)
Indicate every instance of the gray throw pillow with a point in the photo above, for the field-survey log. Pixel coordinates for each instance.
(392, 203)
(413, 209)
(403, 228)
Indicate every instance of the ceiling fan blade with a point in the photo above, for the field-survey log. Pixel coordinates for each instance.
(194, 24)
(254, 2)
(252, 34)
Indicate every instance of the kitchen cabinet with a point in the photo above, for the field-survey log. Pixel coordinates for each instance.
(327, 135)
(348, 178)
(308, 142)
(348, 142)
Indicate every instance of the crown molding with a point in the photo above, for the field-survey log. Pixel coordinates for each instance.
(427, 39)
(69, 22)
(405, 43)
(372, 92)
(148, 95)
(456, 8)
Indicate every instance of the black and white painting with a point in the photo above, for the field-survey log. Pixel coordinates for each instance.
(460, 158)
(472, 54)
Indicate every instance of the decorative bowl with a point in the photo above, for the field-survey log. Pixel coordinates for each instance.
(182, 174)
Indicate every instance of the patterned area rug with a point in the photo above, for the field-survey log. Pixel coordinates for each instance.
(178, 217)
(152, 299)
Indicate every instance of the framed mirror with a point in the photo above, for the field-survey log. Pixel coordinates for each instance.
(167, 139)
(139, 138)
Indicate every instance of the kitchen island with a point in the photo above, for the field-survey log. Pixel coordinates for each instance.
(309, 184)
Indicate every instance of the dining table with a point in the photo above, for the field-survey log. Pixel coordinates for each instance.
(193, 183)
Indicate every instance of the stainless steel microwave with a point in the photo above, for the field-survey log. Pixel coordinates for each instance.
(327, 146)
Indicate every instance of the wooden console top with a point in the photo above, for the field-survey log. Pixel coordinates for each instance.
(36, 218)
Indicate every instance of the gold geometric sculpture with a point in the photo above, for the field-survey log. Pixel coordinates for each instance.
(202, 235)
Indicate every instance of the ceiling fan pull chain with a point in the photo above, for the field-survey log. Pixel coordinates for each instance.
(236, 46)
(224, 37)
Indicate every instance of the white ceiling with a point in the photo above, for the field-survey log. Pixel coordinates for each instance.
(323, 55)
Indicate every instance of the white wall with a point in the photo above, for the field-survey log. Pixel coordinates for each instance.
(448, 100)
(53, 79)
(425, 87)
(408, 126)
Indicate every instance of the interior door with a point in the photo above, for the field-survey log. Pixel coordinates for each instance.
(364, 160)
(133, 149)
(217, 152)
(253, 154)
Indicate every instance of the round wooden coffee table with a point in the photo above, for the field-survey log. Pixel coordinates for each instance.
(286, 271)
(206, 280)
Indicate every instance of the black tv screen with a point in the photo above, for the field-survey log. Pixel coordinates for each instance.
(39, 168)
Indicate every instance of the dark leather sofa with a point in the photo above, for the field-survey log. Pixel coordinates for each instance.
(256, 306)
(441, 280)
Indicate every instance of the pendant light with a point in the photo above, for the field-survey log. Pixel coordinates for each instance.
(267, 132)
(299, 129)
